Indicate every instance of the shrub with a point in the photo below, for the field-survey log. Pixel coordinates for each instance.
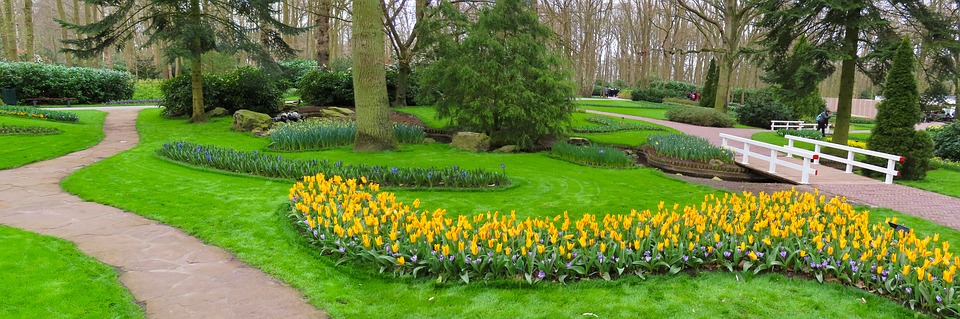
(699, 116)
(945, 164)
(709, 96)
(685, 101)
(811, 134)
(786, 231)
(291, 71)
(312, 135)
(946, 142)
(29, 130)
(687, 147)
(592, 155)
(147, 90)
(625, 94)
(265, 165)
(606, 124)
(330, 88)
(27, 111)
(244, 88)
(649, 94)
(87, 85)
(675, 89)
(761, 108)
(861, 120)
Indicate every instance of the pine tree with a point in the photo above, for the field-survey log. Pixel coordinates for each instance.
(897, 115)
(709, 95)
(798, 74)
(374, 132)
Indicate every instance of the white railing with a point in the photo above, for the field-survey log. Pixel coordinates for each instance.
(774, 157)
(793, 125)
(890, 170)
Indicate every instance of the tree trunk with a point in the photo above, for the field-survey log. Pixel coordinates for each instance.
(76, 20)
(403, 82)
(847, 72)
(196, 76)
(4, 39)
(323, 33)
(63, 31)
(723, 81)
(10, 50)
(374, 132)
(28, 29)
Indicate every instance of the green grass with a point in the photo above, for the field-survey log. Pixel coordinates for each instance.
(629, 138)
(19, 150)
(47, 277)
(241, 214)
(426, 114)
(943, 181)
(649, 113)
(618, 103)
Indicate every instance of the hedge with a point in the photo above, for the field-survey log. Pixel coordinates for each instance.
(87, 85)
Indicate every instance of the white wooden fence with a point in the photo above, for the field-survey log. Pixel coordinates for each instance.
(774, 157)
(890, 170)
(793, 125)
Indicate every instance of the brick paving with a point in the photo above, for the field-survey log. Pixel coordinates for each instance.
(170, 273)
(941, 209)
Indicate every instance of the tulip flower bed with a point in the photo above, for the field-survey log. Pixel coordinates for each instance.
(606, 124)
(255, 163)
(31, 130)
(313, 135)
(25, 111)
(854, 143)
(592, 155)
(788, 231)
(687, 147)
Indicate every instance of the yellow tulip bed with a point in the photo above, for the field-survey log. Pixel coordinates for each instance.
(787, 231)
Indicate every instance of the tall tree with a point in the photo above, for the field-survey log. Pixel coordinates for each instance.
(187, 31)
(10, 49)
(403, 39)
(63, 30)
(323, 32)
(797, 75)
(28, 41)
(839, 28)
(709, 96)
(374, 132)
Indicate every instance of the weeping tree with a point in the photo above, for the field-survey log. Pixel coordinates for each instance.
(187, 30)
(374, 132)
(840, 29)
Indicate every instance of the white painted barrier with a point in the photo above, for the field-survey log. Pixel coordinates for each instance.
(890, 170)
(774, 157)
(794, 125)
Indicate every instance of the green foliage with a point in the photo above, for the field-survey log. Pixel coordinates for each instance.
(674, 89)
(763, 107)
(896, 116)
(811, 134)
(291, 71)
(946, 142)
(861, 120)
(699, 116)
(88, 86)
(599, 156)
(688, 147)
(324, 87)
(682, 101)
(501, 76)
(313, 135)
(244, 88)
(265, 165)
(27, 130)
(32, 112)
(934, 97)
(606, 124)
(147, 90)
(709, 96)
(797, 74)
(650, 94)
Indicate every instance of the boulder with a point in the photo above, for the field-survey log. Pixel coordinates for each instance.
(341, 110)
(429, 140)
(506, 149)
(578, 141)
(471, 141)
(217, 112)
(246, 120)
(332, 113)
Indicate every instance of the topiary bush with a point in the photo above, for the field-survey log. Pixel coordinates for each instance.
(87, 85)
(946, 141)
(699, 116)
(761, 108)
(244, 88)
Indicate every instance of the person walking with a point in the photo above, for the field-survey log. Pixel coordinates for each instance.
(823, 120)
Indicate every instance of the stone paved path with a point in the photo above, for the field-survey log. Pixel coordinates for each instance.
(941, 209)
(172, 274)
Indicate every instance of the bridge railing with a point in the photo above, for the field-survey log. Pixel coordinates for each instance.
(850, 160)
(793, 125)
(773, 156)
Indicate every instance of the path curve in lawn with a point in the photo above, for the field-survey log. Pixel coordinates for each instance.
(938, 208)
(173, 274)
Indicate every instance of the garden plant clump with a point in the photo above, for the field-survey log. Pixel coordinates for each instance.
(30, 130)
(687, 147)
(606, 124)
(786, 231)
(313, 135)
(699, 116)
(256, 163)
(26, 111)
(592, 155)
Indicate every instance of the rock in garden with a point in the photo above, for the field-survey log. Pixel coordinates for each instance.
(578, 141)
(716, 178)
(506, 149)
(429, 141)
(471, 141)
(217, 112)
(332, 113)
(246, 120)
(341, 110)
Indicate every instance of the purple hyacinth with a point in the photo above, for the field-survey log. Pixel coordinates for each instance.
(940, 300)
(342, 249)
(908, 290)
(413, 258)
(542, 274)
(569, 264)
(452, 258)
(685, 258)
(783, 254)
(726, 254)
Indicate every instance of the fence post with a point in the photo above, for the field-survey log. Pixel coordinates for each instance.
(805, 174)
(773, 161)
(790, 146)
(891, 165)
(850, 157)
(816, 150)
(746, 153)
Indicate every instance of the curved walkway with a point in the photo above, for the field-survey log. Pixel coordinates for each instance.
(172, 274)
(938, 208)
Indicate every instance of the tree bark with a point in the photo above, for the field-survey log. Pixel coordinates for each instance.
(847, 72)
(374, 130)
(323, 33)
(4, 39)
(196, 76)
(10, 50)
(63, 31)
(76, 20)
(28, 29)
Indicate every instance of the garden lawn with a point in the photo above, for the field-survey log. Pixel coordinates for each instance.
(628, 138)
(22, 149)
(245, 215)
(654, 113)
(943, 181)
(426, 114)
(47, 277)
(618, 103)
